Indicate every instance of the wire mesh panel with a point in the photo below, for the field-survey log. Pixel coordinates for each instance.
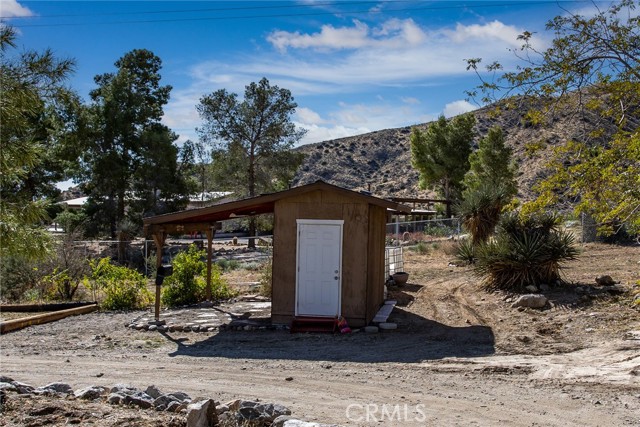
(393, 260)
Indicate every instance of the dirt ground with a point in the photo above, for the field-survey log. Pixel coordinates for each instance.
(461, 356)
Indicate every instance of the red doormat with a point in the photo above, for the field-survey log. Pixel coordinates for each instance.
(314, 324)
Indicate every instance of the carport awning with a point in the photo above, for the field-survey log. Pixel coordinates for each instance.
(203, 218)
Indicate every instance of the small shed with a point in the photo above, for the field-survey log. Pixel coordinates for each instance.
(328, 248)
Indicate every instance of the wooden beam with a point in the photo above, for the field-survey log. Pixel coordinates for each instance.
(187, 228)
(12, 325)
(159, 238)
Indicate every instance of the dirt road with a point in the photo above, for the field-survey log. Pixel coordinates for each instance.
(460, 357)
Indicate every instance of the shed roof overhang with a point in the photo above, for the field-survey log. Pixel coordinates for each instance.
(204, 218)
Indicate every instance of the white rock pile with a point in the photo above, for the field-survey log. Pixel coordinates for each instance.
(199, 413)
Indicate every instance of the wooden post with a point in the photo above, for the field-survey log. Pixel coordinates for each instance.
(210, 233)
(159, 238)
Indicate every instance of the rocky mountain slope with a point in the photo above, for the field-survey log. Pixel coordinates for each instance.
(381, 161)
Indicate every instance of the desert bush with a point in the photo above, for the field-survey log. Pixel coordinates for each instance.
(20, 279)
(187, 284)
(228, 264)
(266, 278)
(466, 251)
(123, 288)
(526, 251)
(421, 248)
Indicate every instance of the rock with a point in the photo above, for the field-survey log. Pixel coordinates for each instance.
(531, 301)
(114, 399)
(7, 387)
(152, 328)
(164, 402)
(89, 393)
(182, 397)
(605, 281)
(274, 410)
(5, 379)
(371, 329)
(23, 388)
(126, 395)
(153, 391)
(300, 423)
(139, 399)
(222, 409)
(202, 414)
(387, 326)
(176, 406)
(249, 412)
(123, 388)
(233, 405)
(54, 388)
(532, 288)
(279, 422)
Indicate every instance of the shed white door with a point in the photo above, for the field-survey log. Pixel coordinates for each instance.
(319, 272)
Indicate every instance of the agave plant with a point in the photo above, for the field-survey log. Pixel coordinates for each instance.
(526, 251)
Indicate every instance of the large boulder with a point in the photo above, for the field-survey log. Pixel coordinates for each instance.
(202, 414)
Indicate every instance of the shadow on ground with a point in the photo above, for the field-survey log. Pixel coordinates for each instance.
(421, 340)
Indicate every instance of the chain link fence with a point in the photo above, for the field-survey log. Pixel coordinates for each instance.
(423, 231)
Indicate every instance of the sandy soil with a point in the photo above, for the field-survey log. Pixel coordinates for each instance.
(460, 357)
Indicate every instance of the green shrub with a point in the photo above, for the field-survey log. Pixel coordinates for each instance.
(525, 251)
(266, 278)
(228, 264)
(466, 251)
(187, 285)
(123, 288)
(421, 248)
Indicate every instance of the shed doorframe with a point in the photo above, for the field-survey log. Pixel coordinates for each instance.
(339, 223)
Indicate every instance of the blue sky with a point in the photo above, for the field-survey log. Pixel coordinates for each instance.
(353, 67)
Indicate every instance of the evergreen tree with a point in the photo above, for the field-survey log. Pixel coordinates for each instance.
(441, 154)
(33, 97)
(251, 139)
(128, 163)
(492, 165)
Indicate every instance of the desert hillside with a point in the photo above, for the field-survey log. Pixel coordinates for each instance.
(381, 161)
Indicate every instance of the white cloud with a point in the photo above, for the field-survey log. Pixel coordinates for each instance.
(13, 9)
(411, 100)
(396, 53)
(392, 33)
(308, 116)
(355, 119)
(458, 107)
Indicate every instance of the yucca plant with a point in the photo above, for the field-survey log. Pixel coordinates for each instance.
(526, 251)
(480, 211)
(466, 251)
